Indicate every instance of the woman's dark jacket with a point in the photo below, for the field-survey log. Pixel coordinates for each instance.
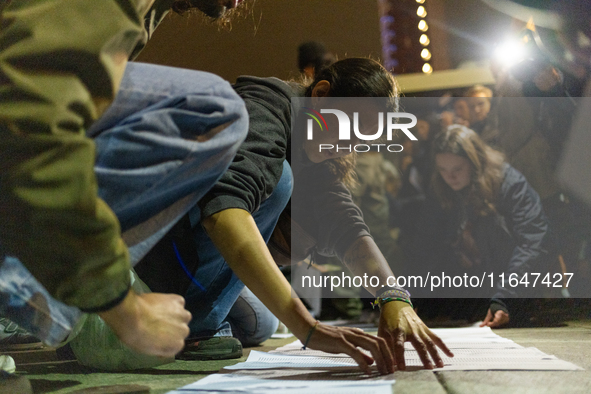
(514, 240)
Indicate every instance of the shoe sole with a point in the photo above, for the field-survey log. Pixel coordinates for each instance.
(225, 356)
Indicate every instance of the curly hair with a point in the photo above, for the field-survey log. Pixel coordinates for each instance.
(204, 9)
(485, 162)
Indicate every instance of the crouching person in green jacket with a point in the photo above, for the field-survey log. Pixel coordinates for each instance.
(61, 64)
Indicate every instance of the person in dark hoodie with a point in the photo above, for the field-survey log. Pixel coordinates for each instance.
(230, 225)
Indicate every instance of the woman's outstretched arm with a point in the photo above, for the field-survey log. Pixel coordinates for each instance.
(235, 234)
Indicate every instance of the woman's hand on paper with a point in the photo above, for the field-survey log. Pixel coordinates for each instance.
(399, 323)
(351, 341)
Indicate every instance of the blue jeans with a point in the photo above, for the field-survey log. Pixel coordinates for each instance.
(250, 321)
(211, 304)
(165, 140)
(26, 302)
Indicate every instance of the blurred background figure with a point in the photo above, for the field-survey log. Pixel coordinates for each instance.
(415, 167)
(456, 112)
(461, 111)
(551, 59)
(470, 110)
(491, 220)
(376, 178)
(529, 122)
(376, 181)
(313, 57)
(479, 103)
(415, 162)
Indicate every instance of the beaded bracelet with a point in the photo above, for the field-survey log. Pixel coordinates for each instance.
(394, 293)
(400, 293)
(312, 329)
(381, 301)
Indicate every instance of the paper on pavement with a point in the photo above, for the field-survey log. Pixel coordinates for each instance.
(475, 348)
(290, 382)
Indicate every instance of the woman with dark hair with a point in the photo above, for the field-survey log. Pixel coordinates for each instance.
(221, 243)
(495, 218)
(251, 194)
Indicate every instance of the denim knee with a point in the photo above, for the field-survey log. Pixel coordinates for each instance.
(252, 323)
(267, 326)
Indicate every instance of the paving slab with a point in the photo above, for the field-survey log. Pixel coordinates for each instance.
(62, 377)
(417, 382)
(571, 343)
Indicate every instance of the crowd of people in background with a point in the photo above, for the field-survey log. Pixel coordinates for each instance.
(435, 234)
(398, 194)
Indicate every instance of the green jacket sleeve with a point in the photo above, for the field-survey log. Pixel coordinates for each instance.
(60, 64)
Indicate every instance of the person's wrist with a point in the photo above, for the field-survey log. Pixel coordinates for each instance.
(297, 318)
(309, 335)
(301, 330)
(125, 312)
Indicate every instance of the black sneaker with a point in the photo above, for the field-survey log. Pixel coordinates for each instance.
(12, 337)
(211, 348)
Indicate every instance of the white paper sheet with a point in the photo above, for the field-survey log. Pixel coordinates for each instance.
(295, 348)
(291, 382)
(464, 360)
(281, 336)
(293, 371)
(262, 360)
(475, 348)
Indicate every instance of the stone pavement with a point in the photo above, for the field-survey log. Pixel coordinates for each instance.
(571, 342)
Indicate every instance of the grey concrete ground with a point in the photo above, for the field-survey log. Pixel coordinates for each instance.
(571, 343)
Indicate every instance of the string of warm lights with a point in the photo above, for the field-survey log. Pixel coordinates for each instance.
(404, 48)
(424, 38)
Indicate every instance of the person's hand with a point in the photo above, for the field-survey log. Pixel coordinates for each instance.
(399, 323)
(152, 323)
(500, 318)
(349, 341)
